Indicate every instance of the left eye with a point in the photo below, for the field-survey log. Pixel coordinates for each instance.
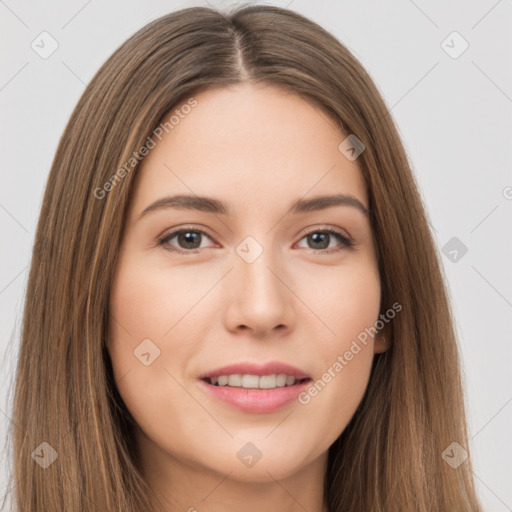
(323, 237)
(189, 240)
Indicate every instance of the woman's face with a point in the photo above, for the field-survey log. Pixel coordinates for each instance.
(255, 284)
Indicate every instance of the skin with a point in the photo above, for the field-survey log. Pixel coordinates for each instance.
(257, 148)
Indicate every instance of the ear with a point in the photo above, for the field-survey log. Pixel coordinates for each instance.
(382, 340)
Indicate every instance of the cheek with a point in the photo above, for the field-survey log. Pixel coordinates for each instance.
(146, 362)
(147, 301)
(349, 307)
(153, 332)
(345, 301)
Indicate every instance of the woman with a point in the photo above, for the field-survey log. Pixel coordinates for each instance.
(302, 354)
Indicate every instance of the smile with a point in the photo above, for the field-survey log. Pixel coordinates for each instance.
(254, 399)
(248, 381)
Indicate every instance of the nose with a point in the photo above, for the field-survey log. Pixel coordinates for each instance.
(259, 298)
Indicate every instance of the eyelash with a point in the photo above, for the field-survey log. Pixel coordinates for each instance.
(346, 243)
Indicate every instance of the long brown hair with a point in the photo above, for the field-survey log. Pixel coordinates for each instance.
(391, 456)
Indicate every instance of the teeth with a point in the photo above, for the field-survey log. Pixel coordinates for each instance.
(235, 380)
(250, 381)
(253, 381)
(281, 380)
(290, 381)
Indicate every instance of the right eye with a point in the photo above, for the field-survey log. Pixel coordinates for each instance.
(188, 240)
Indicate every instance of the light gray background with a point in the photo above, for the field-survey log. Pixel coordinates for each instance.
(453, 115)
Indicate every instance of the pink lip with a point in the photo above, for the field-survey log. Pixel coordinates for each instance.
(255, 400)
(273, 367)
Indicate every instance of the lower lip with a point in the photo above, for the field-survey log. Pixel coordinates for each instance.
(256, 400)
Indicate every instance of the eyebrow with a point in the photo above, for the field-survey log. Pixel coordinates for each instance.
(211, 205)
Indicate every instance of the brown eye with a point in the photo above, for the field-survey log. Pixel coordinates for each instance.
(187, 240)
(322, 238)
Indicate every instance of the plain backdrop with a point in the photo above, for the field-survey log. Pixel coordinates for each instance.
(444, 70)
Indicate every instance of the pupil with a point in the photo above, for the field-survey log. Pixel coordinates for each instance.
(323, 237)
(187, 238)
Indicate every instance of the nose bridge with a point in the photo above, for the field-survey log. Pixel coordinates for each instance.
(259, 299)
(258, 278)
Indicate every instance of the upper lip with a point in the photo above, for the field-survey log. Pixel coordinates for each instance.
(270, 368)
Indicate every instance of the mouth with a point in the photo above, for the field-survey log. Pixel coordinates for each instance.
(248, 381)
(254, 393)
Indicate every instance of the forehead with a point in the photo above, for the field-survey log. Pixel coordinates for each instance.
(254, 146)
